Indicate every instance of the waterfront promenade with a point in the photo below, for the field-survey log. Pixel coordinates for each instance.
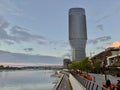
(65, 84)
(76, 85)
(68, 82)
(75, 82)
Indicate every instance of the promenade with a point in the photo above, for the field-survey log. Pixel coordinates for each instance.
(75, 82)
(68, 82)
(64, 85)
(76, 85)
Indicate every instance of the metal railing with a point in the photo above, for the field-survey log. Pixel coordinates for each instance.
(89, 85)
(58, 83)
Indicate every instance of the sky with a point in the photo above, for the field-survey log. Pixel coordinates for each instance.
(40, 27)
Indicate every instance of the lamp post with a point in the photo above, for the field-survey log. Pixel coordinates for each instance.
(105, 70)
(118, 53)
(104, 65)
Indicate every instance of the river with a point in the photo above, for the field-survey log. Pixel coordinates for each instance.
(27, 80)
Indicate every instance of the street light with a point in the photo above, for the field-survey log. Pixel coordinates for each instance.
(104, 65)
(118, 52)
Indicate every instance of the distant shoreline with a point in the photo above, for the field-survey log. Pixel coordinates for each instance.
(31, 67)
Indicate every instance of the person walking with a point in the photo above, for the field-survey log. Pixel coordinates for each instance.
(118, 85)
(108, 85)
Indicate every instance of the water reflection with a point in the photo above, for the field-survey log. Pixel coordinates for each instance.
(26, 80)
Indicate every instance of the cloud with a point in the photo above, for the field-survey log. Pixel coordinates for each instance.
(104, 38)
(9, 57)
(3, 23)
(64, 44)
(59, 43)
(54, 42)
(102, 18)
(100, 27)
(41, 42)
(100, 48)
(4, 35)
(9, 7)
(110, 11)
(108, 43)
(9, 42)
(17, 34)
(100, 39)
(115, 44)
(28, 49)
(66, 55)
(94, 41)
(21, 34)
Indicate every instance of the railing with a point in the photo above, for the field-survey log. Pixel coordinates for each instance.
(58, 83)
(89, 85)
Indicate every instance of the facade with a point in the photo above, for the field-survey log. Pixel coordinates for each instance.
(77, 33)
(109, 56)
(66, 63)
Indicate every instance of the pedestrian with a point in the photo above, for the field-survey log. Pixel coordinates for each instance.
(108, 85)
(118, 85)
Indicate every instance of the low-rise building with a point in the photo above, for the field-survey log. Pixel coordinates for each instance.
(107, 57)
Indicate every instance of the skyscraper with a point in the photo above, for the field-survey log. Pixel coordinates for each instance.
(77, 33)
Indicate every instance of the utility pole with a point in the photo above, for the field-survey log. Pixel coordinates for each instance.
(104, 65)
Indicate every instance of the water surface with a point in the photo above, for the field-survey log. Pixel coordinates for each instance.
(27, 80)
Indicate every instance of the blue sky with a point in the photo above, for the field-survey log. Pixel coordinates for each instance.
(40, 27)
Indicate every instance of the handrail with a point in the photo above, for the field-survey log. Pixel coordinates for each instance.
(58, 83)
(89, 85)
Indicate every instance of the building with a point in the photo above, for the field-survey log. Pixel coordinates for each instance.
(108, 56)
(77, 33)
(66, 63)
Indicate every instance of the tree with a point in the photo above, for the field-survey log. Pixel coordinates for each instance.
(86, 65)
(97, 66)
(74, 65)
(118, 62)
(83, 65)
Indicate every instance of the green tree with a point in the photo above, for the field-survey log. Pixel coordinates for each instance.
(80, 65)
(97, 66)
(118, 62)
(74, 65)
(83, 65)
(86, 65)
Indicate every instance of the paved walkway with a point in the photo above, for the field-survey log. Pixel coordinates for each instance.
(99, 78)
(64, 83)
(75, 83)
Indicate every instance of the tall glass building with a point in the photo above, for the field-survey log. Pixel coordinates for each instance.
(77, 33)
